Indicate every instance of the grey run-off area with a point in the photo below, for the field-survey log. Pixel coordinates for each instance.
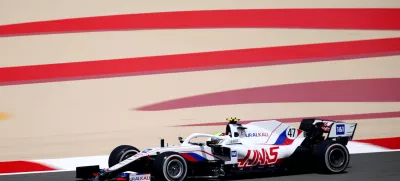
(366, 167)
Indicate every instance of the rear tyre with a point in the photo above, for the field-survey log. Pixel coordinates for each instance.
(299, 161)
(169, 166)
(331, 157)
(121, 153)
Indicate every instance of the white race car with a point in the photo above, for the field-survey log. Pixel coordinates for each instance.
(317, 145)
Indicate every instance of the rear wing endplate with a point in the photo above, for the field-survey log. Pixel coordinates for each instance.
(337, 129)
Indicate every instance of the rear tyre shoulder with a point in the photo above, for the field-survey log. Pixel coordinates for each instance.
(121, 153)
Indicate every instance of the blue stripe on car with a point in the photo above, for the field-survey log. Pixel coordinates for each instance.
(197, 157)
(281, 138)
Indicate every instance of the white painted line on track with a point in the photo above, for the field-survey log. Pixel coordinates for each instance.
(38, 172)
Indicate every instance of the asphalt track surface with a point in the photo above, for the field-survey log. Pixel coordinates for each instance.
(366, 167)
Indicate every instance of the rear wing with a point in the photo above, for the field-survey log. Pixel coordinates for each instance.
(334, 129)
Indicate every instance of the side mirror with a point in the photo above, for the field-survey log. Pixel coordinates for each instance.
(180, 139)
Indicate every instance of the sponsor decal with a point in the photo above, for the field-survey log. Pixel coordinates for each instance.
(235, 141)
(291, 133)
(326, 126)
(259, 157)
(257, 134)
(139, 177)
(147, 150)
(234, 153)
(123, 175)
(340, 129)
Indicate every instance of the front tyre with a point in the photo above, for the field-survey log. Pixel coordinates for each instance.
(169, 166)
(121, 153)
(331, 157)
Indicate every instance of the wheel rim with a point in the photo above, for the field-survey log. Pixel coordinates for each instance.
(336, 157)
(128, 154)
(175, 169)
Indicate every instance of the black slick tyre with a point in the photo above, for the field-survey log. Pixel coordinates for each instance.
(169, 166)
(331, 157)
(121, 153)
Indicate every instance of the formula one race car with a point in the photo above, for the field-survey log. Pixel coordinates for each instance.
(318, 145)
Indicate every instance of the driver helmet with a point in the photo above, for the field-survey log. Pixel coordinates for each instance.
(233, 120)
